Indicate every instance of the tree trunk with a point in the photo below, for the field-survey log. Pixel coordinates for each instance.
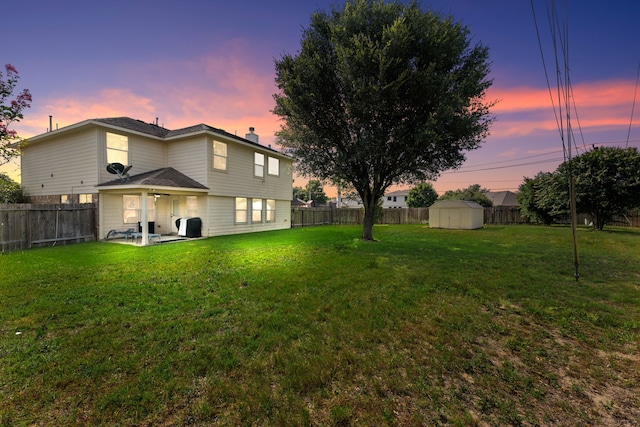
(367, 223)
(370, 205)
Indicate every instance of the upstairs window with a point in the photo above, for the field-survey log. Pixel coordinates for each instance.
(258, 168)
(274, 166)
(117, 148)
(219, 155)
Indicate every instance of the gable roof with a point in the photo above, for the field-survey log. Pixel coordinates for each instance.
(153, 130)
(397, 193)
(502, 198)
(163, 133)
(164, 177)
(136, 125)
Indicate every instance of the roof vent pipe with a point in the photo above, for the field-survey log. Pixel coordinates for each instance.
(50, 123)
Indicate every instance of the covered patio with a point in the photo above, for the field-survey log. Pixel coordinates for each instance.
(143, 209)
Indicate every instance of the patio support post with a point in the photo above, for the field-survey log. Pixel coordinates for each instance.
(144, 223)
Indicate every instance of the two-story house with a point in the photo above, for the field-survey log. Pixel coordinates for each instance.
(144, 176)
(395, 199)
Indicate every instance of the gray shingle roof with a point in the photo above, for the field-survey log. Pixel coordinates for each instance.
(164, 177)
(160, 132)
(136, 125)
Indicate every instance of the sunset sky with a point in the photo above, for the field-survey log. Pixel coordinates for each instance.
(207, 61)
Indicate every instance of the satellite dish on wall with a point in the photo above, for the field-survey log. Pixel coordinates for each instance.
(119, 169)
(115, 168)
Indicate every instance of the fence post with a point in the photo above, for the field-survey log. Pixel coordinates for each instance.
(27, 220)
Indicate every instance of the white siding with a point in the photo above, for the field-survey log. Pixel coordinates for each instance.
(111, 214)
(190, 157)
(221, 219)
(239, 180)
(146, 154)
(64, 165)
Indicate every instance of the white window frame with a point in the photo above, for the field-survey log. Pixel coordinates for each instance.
(220, 155)
(192, 206)
(270, 210)
(240, 216)
(256, 210)
(274, 166)
(130, 209)
(117, 148)
(258, 165)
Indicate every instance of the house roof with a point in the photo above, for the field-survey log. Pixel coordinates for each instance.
(153, 130)
(164, 177)
(397, 193)
(136, 125)
(502, 198)
(161, 132)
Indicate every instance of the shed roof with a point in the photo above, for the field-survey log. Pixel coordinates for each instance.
(456, 204)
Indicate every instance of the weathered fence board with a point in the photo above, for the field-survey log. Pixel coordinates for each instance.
(500, 215)
(24, 226)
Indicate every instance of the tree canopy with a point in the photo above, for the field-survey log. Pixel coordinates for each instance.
(607, 184)
(315, 189)
(473, 193)
(532, 200)
(10, 112)
(382, 93)
(11, 191)
(422, 195)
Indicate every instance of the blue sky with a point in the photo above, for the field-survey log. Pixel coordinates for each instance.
(194, 61)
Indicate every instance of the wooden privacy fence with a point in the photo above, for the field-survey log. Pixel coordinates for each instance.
(305, 217)
(24, 226)
(499, 215)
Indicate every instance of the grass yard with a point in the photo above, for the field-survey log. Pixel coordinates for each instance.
(315, 327)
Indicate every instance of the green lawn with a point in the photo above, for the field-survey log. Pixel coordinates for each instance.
(315, 327)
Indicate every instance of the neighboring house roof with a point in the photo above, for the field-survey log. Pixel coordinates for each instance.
(164, 177)
(502, 198)
(397, 193)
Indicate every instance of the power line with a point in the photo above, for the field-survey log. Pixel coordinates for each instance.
(633, 105)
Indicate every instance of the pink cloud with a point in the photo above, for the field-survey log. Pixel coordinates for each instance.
(523, 111)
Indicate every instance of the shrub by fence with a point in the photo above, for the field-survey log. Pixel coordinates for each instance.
(24, 226)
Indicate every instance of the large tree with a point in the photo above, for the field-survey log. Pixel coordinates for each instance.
(10, 112)
(607, 184)
(422, 195)
(382, 93)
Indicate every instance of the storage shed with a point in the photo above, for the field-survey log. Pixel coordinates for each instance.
(460, 214)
